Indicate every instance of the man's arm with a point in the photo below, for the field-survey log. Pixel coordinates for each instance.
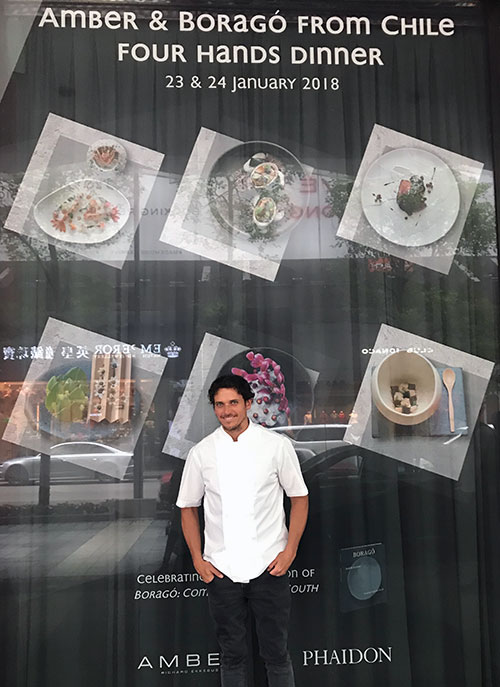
(298, 519)
(191, 530)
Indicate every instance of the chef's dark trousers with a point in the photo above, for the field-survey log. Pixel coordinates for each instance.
(268, 597)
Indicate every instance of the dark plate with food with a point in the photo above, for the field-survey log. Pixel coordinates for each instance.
(255, 189)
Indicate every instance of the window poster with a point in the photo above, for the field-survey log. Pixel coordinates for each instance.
(301, 195)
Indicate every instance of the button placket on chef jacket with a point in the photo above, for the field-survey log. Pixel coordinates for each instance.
(237, 482)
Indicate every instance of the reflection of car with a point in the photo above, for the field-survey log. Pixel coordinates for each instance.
(310, 440)
(74, 460)
(314, 440)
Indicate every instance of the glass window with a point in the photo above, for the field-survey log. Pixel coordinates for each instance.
(303, 196)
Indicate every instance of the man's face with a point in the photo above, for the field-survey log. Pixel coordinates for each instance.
(231, 409)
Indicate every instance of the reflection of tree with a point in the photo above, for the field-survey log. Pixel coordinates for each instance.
(20, 248)
(478, 236)
(17, 246)
(213, 315)
(338, 191)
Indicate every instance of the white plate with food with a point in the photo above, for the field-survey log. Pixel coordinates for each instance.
(84, 211)
(410, 197)
(107, 157)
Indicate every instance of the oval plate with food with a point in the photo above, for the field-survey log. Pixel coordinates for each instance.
(84, 211)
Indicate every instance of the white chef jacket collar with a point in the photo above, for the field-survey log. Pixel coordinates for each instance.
(244, 435)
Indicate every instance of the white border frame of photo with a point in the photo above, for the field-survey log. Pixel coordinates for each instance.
(442, 455)
(14, 31)
(183, 231)
(213, 354)
(55, 333)
(436, 256)
(312, 241)
(115, 251)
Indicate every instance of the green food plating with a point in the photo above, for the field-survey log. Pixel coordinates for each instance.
(67, 396)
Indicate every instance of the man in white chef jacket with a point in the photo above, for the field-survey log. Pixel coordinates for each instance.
(239, 472)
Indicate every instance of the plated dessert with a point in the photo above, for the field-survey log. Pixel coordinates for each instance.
(283, 387)
(270, 405)
(404, 398)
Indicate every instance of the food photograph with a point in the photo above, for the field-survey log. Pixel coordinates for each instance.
(238, 203)
(255, 189)
(283, 389)
(410, 199)
(418, 400)
(93, 397)
(80, 190)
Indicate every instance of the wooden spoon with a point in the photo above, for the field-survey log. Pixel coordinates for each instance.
(449, 382)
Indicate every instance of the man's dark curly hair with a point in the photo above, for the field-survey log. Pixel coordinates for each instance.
(236, 382)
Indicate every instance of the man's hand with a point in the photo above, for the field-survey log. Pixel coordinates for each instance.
(191, 530)
(206, 570)
(281, 563)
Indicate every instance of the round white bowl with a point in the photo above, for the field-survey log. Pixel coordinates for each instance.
(406, 367)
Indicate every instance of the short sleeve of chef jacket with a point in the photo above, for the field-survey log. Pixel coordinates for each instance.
(192, 486)
(289, 473)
